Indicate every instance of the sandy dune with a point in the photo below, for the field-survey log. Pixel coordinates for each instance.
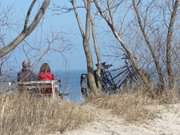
(167, 122)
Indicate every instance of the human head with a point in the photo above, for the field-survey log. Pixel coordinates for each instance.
(26, 64)
(45, 68)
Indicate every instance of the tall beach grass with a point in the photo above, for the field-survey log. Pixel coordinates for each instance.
(27, 115)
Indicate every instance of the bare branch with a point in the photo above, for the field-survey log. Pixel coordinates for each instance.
(73, 2)
(28, 14)
(148, 43)
(122, 43)
(12, 45)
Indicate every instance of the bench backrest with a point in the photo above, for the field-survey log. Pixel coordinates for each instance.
(39, 87)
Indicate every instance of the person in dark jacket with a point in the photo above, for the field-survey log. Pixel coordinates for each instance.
(26, 74)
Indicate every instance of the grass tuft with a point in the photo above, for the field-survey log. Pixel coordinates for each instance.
(132, 107)
(23, 114)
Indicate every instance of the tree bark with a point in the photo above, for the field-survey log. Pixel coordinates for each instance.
(89, 59)
(169, 45)
(97, 52)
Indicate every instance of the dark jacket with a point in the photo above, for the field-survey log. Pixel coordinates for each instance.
(26, 75)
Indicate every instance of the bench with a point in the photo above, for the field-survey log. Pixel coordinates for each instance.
(40, 88)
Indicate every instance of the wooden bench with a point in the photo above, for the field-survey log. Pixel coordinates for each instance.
(40, 88)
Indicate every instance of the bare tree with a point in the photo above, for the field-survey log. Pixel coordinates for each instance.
(85, 33)
(108, 18)
(169, 44)
(153, 20)
(149, 23)
(28, 28)
(148, 43)
(159, 41)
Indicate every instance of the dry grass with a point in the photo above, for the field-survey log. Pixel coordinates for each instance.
(26, 115)
(129, 106)
(136, 106)
(169, 97)
(23, 114)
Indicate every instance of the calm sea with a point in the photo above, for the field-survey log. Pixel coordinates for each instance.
(70, 82)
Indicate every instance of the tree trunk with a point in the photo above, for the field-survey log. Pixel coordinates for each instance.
(91, 78)
(98, 57)
(90, 70)
(169, 44)
(85, 36)
(1, 70)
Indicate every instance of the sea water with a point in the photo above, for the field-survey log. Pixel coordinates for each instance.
(70, 83)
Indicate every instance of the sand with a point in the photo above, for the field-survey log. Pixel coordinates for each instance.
(167, 122)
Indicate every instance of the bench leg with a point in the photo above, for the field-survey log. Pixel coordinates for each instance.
(53, 90)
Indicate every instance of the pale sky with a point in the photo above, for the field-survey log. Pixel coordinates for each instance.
(64, 25)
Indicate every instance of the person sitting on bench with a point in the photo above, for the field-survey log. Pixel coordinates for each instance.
(45, 75)
(26, 74)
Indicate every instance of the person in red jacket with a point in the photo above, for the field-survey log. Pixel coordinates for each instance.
(45, 73)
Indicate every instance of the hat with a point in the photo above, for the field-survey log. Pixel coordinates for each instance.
(26, 64)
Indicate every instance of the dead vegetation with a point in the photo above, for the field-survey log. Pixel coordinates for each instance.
(136, 106)
(23, 115)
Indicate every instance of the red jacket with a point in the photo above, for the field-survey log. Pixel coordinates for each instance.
(45, 76)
